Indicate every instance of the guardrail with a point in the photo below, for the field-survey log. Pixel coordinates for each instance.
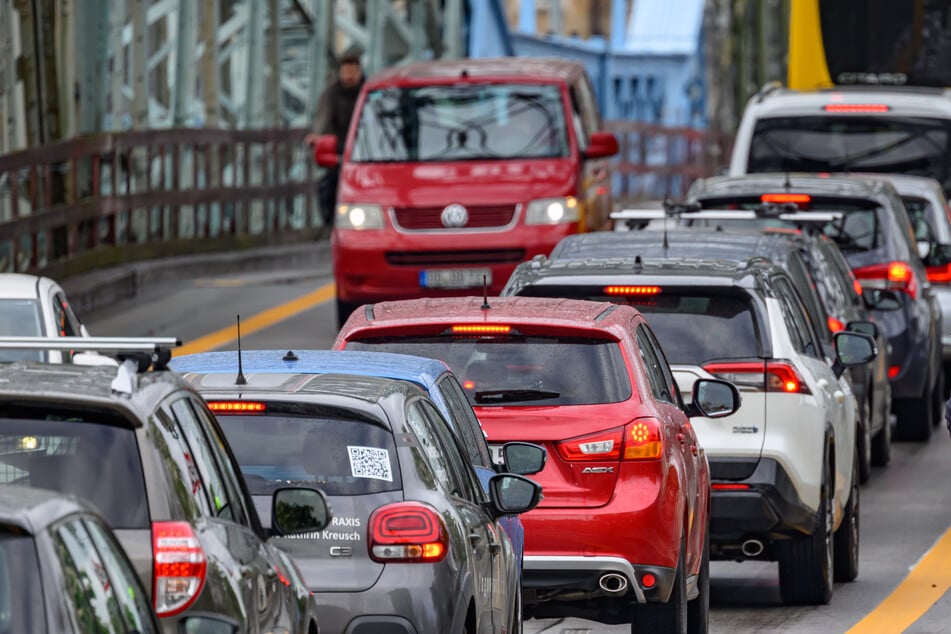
(92, 201)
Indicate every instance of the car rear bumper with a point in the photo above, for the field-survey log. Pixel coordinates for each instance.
(566, 577)
(767, 507)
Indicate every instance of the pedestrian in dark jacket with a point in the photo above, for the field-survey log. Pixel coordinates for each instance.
(334, 111)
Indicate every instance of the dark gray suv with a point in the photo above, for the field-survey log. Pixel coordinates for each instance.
(142, 448)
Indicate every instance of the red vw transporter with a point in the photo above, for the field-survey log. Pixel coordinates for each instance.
(454, 172)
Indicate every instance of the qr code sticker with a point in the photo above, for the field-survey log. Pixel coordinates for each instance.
(370, 462)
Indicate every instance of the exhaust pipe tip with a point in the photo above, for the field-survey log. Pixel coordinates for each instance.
(752, 548)
(613, 583)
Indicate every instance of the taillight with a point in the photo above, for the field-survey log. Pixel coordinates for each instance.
(896, 276)
(786, 198)
(939, 274)
(638, 440)
(481, 329)
(834, 324)
(631, 290)
(236, 407)
(856, 107)
(407, 532)
(893, 371)
(729, 486)
(179, 567)
(772, 376)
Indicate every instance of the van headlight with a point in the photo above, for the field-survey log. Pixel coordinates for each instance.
(359, 216)
(552, 211)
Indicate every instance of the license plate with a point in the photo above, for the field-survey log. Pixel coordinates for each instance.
(496, 451)
(454, 278)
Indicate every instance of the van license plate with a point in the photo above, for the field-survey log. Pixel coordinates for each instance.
(454, 278)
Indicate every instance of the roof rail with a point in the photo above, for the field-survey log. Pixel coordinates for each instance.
(90, 344)
(766, 89)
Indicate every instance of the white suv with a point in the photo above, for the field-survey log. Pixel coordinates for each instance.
(784, 469)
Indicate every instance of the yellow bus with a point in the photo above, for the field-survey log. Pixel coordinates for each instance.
(869, 42)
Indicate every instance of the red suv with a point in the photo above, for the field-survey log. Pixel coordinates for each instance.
(621, 534)
(454, 172)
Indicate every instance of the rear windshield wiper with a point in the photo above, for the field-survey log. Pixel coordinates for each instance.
(507, 396)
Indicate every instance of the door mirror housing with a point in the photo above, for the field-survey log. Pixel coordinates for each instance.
(325, 151)
(208, 624)
(924, 249)
(713, 398)
(602, 145)
(512, 494)
(864, 327)
(523, 458)
(296, 510)
(852, 348)
(880, 299)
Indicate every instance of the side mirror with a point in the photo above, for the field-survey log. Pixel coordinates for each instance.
(208, 624)
(523, 458)
(325, 151)
(602, 145)
(880, 299)
(713, 398)
(924, 249)
(869, 328)
(513, 494)
(852, 348)
(299, 510)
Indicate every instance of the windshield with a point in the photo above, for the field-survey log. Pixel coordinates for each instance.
(523, 370)
(20, 318)
(461, 123)
(908, 145)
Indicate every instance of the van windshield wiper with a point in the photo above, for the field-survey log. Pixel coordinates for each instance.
(517, 394)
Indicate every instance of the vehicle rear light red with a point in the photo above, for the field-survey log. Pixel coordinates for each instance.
(179, 567)
(480, 329)
(407, 532)
(834, 324)
(236, 407)
(856, 107)
(631, 290)
(729, 486)
(785, 198)
(893, 371)
(642, 440)
(602, 446)
(939, 274)
(773, 376)
(857, 285)
(648, 580)
(896, 275)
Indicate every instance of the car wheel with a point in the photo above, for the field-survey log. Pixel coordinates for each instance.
(698, 610)
(806, 563)
(914, 417)
(847, 537)
(864, 442)
(670, 617)
(343, 311)
(882, 444)
(938, 400)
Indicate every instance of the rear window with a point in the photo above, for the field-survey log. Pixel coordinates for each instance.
(72, 454)
(20, 318)
(341, 456)
(523, 370)
(21, 597)
(461, 122)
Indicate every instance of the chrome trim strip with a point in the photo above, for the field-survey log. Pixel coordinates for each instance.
(605, 564)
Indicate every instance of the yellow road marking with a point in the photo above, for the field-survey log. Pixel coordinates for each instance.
(259, 321)
(922, 588)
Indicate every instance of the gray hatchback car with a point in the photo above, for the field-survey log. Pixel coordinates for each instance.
(415, 545)
(142, 448)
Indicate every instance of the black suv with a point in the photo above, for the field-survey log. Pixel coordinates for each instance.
(140, 445)
(820, 274)
(868, 221)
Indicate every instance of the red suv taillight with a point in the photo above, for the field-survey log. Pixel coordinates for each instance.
(895, 276)
(179, 567)
(407, 532)
(638, 440)
(939, 274)
(771, 376)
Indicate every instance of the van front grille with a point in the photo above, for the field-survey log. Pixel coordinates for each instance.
(428, 218)
(427, 258)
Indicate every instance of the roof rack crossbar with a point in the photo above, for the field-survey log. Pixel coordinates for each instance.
(95, 344)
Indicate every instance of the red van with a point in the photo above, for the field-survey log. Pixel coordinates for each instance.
(454, 172)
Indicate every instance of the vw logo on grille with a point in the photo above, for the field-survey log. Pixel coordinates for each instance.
(455, 215)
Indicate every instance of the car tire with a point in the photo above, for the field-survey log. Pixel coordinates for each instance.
(343, 311)
(698, 610)
(864, 442)
(670, 617)
(882, 444)
(806, 563)
(939, 399)
(846, 546)
(914, 417)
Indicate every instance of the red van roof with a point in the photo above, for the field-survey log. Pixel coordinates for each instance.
(503, 68)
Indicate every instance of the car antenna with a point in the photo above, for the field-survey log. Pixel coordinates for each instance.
(485, 294)
(667, 206)
(787, 184)
(240, 380)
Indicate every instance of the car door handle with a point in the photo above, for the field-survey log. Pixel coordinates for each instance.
(682, 438)
(495, 548)
(475, 539)
(824, 384)
(839, 395)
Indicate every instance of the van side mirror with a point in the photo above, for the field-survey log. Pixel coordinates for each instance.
(299, 510)
(602, 145)
(325, 151)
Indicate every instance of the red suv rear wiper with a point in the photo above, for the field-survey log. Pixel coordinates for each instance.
(519, 394)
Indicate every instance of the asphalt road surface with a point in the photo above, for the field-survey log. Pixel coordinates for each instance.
(905, 565)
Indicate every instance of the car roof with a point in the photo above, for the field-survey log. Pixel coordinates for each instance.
(532, 69)
(845, 185)
(87, 386)
(906, 184)
(405, 367)
(33, 510)
(902, 101)
(20, 285)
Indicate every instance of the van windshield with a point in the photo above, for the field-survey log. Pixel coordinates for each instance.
(907, 145)
(461, 123)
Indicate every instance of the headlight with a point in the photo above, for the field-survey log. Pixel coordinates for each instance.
(359, 216)
(552, 211)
